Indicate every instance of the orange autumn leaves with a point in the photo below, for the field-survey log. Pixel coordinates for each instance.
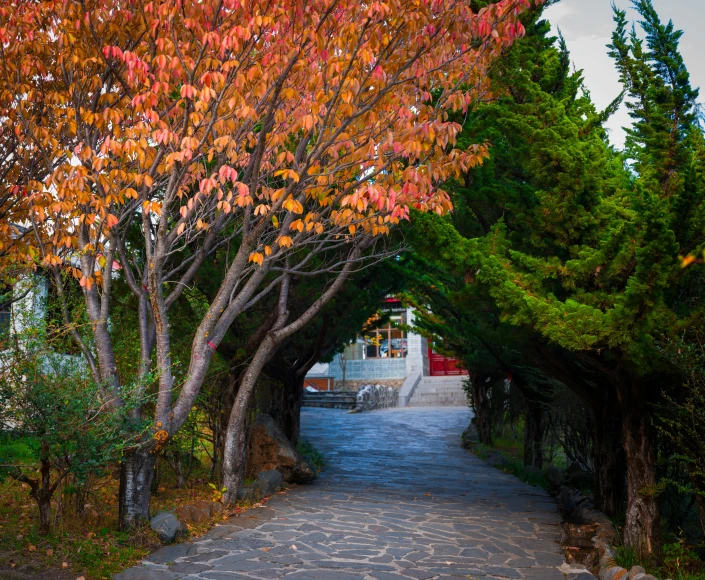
(303, 119)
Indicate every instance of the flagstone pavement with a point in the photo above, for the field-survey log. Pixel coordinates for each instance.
(399, 499)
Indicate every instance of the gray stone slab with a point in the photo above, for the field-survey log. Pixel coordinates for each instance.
(146, 573)
(171, 553)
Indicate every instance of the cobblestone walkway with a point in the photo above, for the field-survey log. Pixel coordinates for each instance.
(399, 499)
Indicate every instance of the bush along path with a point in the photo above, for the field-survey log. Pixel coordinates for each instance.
(399, 499)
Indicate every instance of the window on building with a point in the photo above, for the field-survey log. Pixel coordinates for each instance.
(389, 340)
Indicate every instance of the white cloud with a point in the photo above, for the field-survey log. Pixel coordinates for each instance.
(587, 25)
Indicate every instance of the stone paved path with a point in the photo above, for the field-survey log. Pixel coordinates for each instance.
(399, 499)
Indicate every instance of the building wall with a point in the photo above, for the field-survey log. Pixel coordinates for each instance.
(28, 323)
(369, 369)
(381, 369)
(30, 307)
(417, 358)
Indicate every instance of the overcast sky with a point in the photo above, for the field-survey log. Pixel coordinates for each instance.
(587, 27)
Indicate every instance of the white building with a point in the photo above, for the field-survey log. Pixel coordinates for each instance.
(389, 355)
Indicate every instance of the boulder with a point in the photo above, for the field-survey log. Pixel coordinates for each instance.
(614, 573)
(555, 476)
(469, 438)
(578, 477)
(198, 513)
(269, 481)
(635, 571)
(533, 471)
(167, 526)
(248, 493)
(270, 449)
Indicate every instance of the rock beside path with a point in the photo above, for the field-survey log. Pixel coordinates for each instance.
(167, 526)
(199, 512)
(270, 449)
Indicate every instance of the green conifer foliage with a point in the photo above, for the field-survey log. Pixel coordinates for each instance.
(578, 245)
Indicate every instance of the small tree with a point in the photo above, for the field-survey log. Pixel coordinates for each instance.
(63, 417)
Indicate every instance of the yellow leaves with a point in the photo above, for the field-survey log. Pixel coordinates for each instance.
(308, 122)
(171, 124)
(257, 258)
(222, 142)
(688, 260)
(290, 204)
(243, 200)
(189, 143)
(285, 241)
(86, 282)
(52, 260)
(287, 174)
(111, 221)
(262, 209)
(285, 156)
(245, 112)
(152, 206)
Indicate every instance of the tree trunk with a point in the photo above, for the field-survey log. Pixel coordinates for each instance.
(81, 496)
(641, 527)
(236, 433)
(700, 503)
(136, 472)
(44, 503)
(480, 386)
(156, 477)
(608, 459)
(234, 452)
(42, 495)
(179, 471)
(229, 394)
(294, 400)
(533, 434)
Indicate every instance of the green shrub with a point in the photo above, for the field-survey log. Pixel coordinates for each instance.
(312, 456)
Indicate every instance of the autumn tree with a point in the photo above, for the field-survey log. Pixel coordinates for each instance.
(276, 132)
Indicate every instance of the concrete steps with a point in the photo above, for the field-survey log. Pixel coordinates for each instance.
(439, 391)
(331, 399)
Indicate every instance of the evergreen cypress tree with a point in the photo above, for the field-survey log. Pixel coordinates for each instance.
(580, 245)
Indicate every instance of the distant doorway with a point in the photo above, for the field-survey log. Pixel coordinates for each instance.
(443, 366)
